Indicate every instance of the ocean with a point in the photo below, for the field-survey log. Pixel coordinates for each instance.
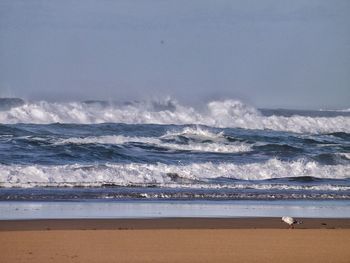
(164, 151)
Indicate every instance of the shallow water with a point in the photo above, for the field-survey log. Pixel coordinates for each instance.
(163, 209)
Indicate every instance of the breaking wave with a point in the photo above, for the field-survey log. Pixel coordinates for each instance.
(193, 175)
(228, 113)
(189, 139)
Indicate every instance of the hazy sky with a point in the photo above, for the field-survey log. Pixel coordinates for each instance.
(269, 53)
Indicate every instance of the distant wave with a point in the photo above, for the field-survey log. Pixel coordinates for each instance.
(340, 110)
(228, 113)
(193, 175)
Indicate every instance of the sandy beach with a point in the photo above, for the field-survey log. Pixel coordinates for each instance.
(174, 240)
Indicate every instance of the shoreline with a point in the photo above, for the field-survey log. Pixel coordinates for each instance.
(15, 210)
(169, 223)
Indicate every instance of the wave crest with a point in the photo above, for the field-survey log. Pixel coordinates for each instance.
(162, 174)
(228, 113)
(189, 139)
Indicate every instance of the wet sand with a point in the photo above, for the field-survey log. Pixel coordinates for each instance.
(174, 240)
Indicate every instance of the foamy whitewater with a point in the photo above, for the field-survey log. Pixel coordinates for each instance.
(162, 150)
(221, 114)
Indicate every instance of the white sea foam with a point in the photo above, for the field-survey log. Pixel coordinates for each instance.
(228, 113)
(200, 140)
(194, 175)
(196, 134)
(108, 139)
(192, 146)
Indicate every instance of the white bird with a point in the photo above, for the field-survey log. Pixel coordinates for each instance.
(290, 221)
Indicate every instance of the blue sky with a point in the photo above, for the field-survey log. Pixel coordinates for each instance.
(293, 54)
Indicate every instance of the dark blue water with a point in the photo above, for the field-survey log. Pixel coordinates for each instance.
(165, 151)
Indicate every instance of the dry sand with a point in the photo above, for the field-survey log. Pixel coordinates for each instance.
(175, 240)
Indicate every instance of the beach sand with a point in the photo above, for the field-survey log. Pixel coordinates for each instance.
(174, 240)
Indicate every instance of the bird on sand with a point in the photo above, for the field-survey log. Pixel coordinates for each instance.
(290, 221)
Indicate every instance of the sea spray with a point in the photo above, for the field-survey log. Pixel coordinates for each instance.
(228, 113)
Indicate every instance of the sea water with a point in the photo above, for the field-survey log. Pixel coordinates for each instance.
(163, 151)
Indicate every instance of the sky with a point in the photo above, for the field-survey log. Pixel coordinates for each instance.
(268, 53)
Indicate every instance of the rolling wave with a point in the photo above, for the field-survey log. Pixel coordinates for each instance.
(189, 139)
(162, 175)
(198, 147)
(222, 114)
